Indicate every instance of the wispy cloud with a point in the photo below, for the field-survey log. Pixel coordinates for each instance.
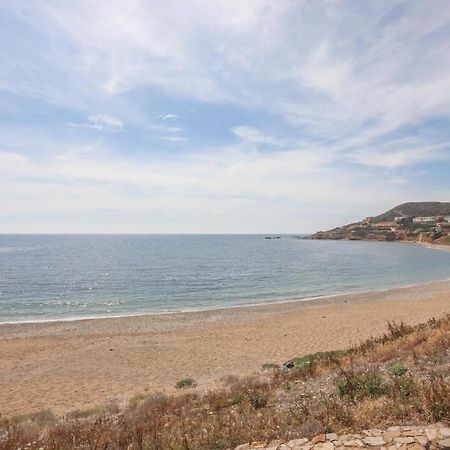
(169, 116)
(291, 107)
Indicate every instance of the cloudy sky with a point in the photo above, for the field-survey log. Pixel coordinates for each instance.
(220, 116)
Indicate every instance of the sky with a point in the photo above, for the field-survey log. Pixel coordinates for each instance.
(220, 116)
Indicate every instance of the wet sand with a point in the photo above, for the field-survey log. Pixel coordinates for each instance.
(70, 365)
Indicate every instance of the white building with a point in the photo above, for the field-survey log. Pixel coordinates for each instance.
(430, 219)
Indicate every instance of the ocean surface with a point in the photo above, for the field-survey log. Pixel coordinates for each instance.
(76, 276)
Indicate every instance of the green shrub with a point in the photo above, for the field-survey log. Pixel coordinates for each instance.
(186, 383)
(398, 369)
(357, 386)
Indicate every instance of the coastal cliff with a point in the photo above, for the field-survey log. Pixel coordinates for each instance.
(413, 221)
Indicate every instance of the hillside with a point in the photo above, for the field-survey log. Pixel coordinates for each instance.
(413, 209)
(413, 221)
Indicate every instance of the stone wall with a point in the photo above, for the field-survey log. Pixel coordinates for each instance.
(427, 437)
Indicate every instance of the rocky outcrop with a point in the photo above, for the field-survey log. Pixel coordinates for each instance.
(427, 437)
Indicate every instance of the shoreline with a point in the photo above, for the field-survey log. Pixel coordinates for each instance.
(67, 365)
(221, 308)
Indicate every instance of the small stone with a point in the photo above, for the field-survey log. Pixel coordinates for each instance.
(274, 445)
(422, 440)
(415, 446)
(445, 432)
(431, 433)
(390, 435)
(318, 438)
(374, 441)
(404, 440)
(353, 443)
(331, 436)
(307, 446)
(324, 446)
(297, 442)
(258, 444)
(243, 447)
(412, 433)
(444, 444)
(338, 443)
(376, 431)
(284, 447)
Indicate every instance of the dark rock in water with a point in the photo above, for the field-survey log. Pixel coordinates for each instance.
(289, 364)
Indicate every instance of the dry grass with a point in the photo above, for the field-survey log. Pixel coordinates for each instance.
(399, 377)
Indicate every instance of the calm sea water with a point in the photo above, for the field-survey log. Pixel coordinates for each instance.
(61, 277)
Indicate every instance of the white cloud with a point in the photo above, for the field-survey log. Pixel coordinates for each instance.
(337, 81)
(253, 135)
(169, 116)
(104, 122)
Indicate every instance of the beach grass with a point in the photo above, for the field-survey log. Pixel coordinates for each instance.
(401, 376)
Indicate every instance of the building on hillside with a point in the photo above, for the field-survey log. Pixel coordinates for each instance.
(428, 219)
(443, 224)
(386, 226)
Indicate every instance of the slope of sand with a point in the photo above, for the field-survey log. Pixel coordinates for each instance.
(74, 365)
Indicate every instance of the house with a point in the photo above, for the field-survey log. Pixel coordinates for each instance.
(387, 226)
(443, 224)
(429, 219)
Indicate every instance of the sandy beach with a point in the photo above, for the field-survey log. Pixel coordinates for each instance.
(64, 366)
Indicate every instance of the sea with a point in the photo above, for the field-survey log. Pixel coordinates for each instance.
(62, 277)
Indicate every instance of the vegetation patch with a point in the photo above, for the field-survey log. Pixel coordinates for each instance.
(400, 377)
(186, 383)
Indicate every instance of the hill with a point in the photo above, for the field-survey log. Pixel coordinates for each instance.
(413, 221)
(414, 209)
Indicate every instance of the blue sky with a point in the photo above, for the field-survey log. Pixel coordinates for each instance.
(208, 116)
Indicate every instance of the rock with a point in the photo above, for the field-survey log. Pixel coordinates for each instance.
(394, 429)
(274, 445)
(289, 364)
(404, 440)
(318, 438)
(376, 432)
(444, 444)
(353, 443)
(258, 444)
(324, 446)
(431, 433)
(374, 441)
(415, 446)
(444, 432)
(331, 436)
(243, 447)
(422, 440)
(390, 435)
(284, 447)
(297, 442)
(412, 433)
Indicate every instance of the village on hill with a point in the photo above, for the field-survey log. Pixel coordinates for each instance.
(435, 229)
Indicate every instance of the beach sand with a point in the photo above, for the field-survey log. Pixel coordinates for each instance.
(64, 366)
